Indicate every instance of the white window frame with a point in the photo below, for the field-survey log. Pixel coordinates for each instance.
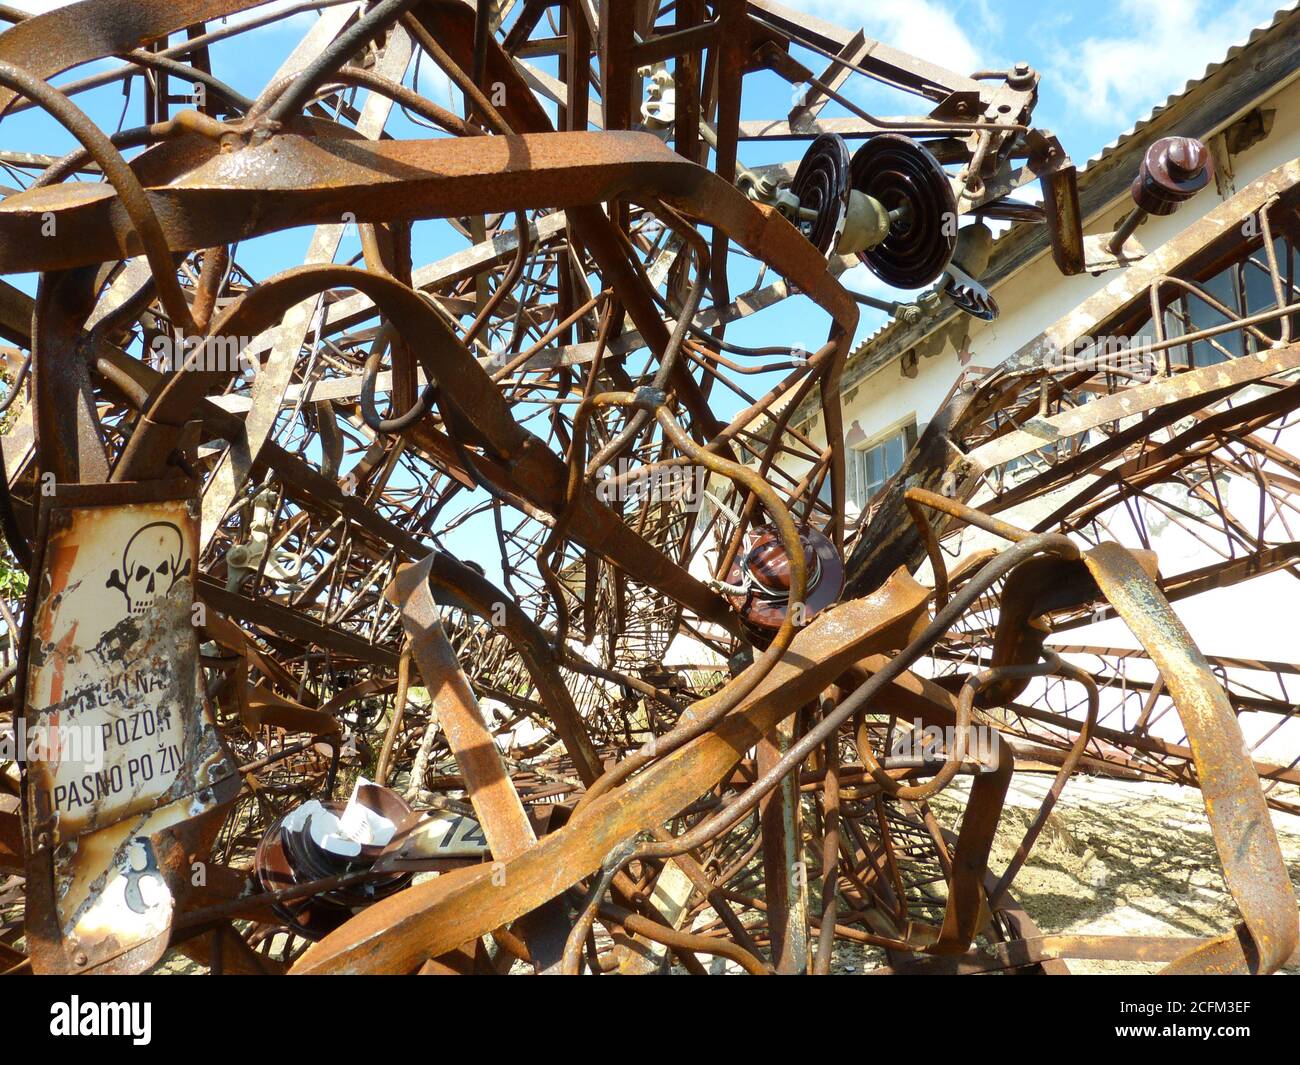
(859, 492)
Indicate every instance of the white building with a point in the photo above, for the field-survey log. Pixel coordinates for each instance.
(1246, 108)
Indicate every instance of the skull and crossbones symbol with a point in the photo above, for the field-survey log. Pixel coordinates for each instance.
(151, 564)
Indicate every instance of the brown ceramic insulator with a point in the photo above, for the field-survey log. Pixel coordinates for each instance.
(764, 571)
(822, 184)
(1173, 170)
(914, 188)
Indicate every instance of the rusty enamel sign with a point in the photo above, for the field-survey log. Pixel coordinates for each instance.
(121, 743)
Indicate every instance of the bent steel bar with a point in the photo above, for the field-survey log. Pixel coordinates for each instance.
(68, 36)
(531, 468)
(294, 180)
(425, 920)
(1253, 867)
(890, 540)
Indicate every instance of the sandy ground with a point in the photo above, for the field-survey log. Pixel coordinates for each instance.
(1120, 858)
(1114, 858)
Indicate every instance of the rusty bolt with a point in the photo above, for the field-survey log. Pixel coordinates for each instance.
(1021, 77)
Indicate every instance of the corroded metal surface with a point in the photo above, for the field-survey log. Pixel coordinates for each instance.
(483, 502)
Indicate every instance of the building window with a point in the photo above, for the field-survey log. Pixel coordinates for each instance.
(1244, 288)
(874, 463)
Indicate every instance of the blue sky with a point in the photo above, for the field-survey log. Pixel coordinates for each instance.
(1104, 65)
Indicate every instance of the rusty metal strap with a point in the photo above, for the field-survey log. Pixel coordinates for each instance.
(69, 36)
(493, 795)
(436, 916)
(1253, 868)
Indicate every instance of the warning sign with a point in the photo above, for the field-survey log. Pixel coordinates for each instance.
(122, 749)
(112, 662)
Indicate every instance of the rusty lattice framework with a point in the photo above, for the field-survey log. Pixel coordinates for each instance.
(266, 574)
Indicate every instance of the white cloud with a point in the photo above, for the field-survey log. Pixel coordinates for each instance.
(435, 84)
(1114, 80)
(925, 28)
